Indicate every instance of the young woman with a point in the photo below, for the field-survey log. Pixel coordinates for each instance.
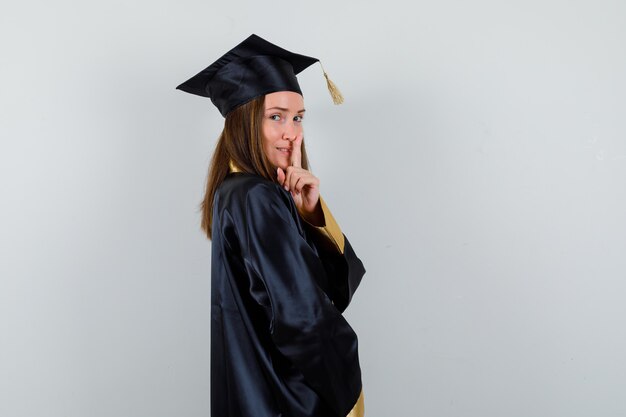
(282, 272)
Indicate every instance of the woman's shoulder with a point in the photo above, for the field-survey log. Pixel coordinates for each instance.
(239, 187)
(251, 201)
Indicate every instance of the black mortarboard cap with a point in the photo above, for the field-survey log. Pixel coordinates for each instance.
(251, 69)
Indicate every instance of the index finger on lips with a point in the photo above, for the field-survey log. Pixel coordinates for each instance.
(296, 153)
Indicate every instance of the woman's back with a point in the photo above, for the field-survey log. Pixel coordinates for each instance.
(280, 346)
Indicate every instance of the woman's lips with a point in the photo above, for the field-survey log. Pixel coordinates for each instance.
(284, 150)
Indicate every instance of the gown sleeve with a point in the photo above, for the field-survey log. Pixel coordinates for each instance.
(330, 232)
(340, 262)
(305, 326)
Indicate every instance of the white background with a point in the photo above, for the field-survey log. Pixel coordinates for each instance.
(477, 166)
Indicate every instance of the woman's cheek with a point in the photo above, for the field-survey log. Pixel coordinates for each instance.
(274, 131)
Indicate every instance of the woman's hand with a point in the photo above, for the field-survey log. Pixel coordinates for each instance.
(303, 185)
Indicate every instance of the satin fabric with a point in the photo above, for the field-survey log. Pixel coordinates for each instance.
(242, 80)
(280, 346)
(251, 69)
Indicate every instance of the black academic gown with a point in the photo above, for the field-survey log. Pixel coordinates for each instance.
(280, 346)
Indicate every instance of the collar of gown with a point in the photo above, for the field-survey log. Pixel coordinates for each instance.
(330, 230)
(233, 167)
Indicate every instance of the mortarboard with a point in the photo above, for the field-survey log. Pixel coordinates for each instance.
(251, 69)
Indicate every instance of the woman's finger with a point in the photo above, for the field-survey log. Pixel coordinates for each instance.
(293, 175)
(306, 180)
(287, 181)
(296, 153)
(280, 175)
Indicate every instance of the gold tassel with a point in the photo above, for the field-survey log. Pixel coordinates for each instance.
(332, 88)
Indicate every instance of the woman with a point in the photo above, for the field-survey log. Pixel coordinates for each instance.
(282, 272)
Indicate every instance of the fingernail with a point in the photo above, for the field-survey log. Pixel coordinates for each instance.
(286, 188)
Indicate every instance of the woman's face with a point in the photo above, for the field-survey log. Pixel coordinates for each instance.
(282, 122)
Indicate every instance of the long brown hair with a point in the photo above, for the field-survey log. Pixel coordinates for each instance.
(240, 141)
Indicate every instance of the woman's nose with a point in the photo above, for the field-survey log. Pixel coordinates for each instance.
(291, 131)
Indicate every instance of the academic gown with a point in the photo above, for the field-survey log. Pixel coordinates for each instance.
(280, 346)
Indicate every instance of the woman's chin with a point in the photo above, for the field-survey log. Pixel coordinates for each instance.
(283, 166)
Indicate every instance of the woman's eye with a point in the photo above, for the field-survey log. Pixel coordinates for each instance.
(275, 117)
(298, 118)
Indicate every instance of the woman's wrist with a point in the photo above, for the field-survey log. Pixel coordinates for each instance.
(315, 217)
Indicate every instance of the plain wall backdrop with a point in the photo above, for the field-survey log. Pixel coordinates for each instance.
(478, 167)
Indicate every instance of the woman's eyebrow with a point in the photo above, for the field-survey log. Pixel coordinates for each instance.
(284, 109)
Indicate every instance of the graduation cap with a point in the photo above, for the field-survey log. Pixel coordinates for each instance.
(251, 69)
